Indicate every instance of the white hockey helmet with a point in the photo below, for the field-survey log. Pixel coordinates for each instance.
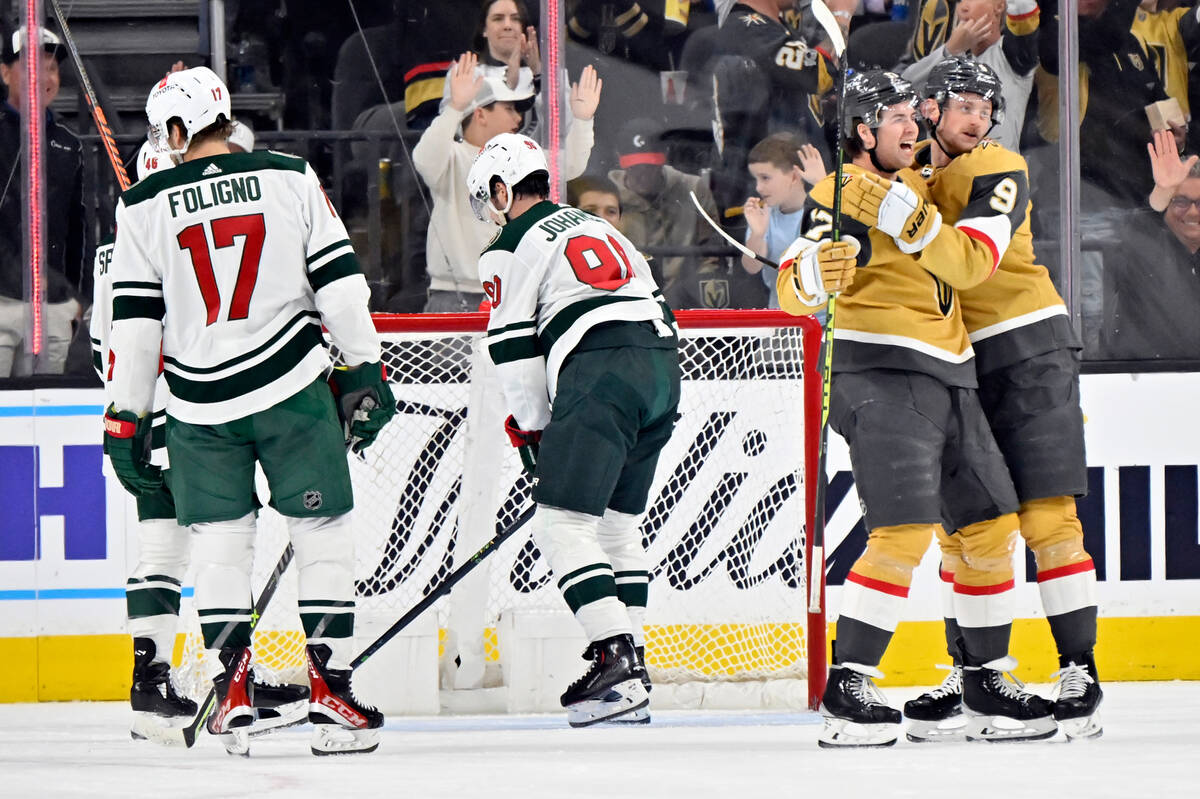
(196, 97)
(150, 161)
(242, 136)
(510, 157)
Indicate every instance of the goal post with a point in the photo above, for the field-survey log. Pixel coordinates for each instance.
(736, 592)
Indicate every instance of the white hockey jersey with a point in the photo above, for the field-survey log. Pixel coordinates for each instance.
(551, 275)
(233, 262)
(98, 330)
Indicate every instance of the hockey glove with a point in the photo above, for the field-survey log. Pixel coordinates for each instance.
(527, 443)
(127, 442)
(364, 402)
(821, 269)
(892, 207)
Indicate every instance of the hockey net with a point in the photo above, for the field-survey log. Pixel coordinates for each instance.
(724, 528)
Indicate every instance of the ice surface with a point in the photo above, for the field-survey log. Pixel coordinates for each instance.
(1150, 748)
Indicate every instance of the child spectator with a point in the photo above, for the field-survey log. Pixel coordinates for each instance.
(597, 195)
(780, 166)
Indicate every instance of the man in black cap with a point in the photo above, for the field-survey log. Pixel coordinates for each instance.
(64, 217)
(656, 211)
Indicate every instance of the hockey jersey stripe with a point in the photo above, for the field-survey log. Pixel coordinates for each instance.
(270, 369)
(1018, 321)
(138, 308)
(150, 287)
(593, 589)
(306, 317)
(326, 253)
(518, 348)
(564, 319)
(914, 344)
(344, 265)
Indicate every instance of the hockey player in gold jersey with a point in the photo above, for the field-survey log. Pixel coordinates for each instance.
(1026, 357)
(903, 396)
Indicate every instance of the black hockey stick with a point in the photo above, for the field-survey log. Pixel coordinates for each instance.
(443, 588)
(817, 567)
(186, 736)
(106, 134)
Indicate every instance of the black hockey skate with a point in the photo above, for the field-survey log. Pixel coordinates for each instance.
(153, 691)
(612, 687)
(997, 706)
(856, 712)
(341, 723)
(1077, 697)
(641, 715)
(276, 705)
(937, 715)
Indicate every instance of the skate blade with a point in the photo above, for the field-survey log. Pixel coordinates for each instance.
(1082, 729)
(1003, 728)
(951, 730)
(622, 699)
(236, 741)
(844, 734)
(639, 716)
(269, 720)
(164, 730)
(332, 739)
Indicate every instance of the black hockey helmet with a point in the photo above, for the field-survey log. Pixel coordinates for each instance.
(869, 92)
(959, 74)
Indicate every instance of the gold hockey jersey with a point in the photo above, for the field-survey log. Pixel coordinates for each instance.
(1172, 39)
(1017, 313)
(902, 311)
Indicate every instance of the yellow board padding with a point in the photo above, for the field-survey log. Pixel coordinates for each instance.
(97, 667)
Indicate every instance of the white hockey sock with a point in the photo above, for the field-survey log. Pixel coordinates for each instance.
(223, 554)
(325, 566)
(581, 569)
(618, 536)
(153, 589)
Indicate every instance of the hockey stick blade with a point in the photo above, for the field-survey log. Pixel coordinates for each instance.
(443, 588)
(749, 253)
(186, 735)
(828, 22)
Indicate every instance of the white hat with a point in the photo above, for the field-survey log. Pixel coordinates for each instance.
(496, 90)
(196, 96)
(50, 43)
(150, 161)
(508, 156)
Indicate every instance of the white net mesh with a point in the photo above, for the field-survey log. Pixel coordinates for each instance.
(724, 525)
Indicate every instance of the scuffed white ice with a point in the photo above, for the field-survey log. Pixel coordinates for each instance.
(1150, 747)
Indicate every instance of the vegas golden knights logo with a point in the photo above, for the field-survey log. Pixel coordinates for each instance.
(945, 296)
(714, 293)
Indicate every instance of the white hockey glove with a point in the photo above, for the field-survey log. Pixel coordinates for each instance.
(821, 268)
(894, 208)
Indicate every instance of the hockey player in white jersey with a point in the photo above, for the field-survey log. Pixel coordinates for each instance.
(587, 354)
(229, 265)
(153, 590)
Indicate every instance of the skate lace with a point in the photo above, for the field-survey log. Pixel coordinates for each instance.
(1072, 681)
(863, 689)
(592, 653)
(952, 685)
(1012, 687)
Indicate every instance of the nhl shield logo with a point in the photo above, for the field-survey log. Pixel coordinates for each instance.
(312, 500)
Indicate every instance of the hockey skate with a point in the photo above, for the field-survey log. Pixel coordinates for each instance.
(997, 706)
(152, 696)
(341, 723)
(641, 715)
(1077, 697)
(232, 712)
(856, 712)
(937, 715)
(611, 688)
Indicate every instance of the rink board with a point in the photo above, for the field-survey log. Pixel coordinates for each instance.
(66, 537)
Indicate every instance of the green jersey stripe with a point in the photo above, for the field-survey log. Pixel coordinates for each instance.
(138, 308)
(590, 590)
(340, 267)
(568, 316)
(193, 172)
(514, 349)
(122, 285)
(321, 253)
(283, 331)
(260, 375)
(500, 331)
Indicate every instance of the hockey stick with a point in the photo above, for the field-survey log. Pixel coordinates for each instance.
(186, 736)
(443, 588)
(742, 247)
(106, 134)
(817, 566)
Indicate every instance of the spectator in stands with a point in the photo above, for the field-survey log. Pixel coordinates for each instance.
(657, 212)
(1153, 281)
(644, 32)
(1173, 35)
(598, 196)
(767, 76)
(479, 108)
(1006, 39)
(65, 238)
(781, 166)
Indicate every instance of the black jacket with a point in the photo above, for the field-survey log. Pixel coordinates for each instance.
(65, 222)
